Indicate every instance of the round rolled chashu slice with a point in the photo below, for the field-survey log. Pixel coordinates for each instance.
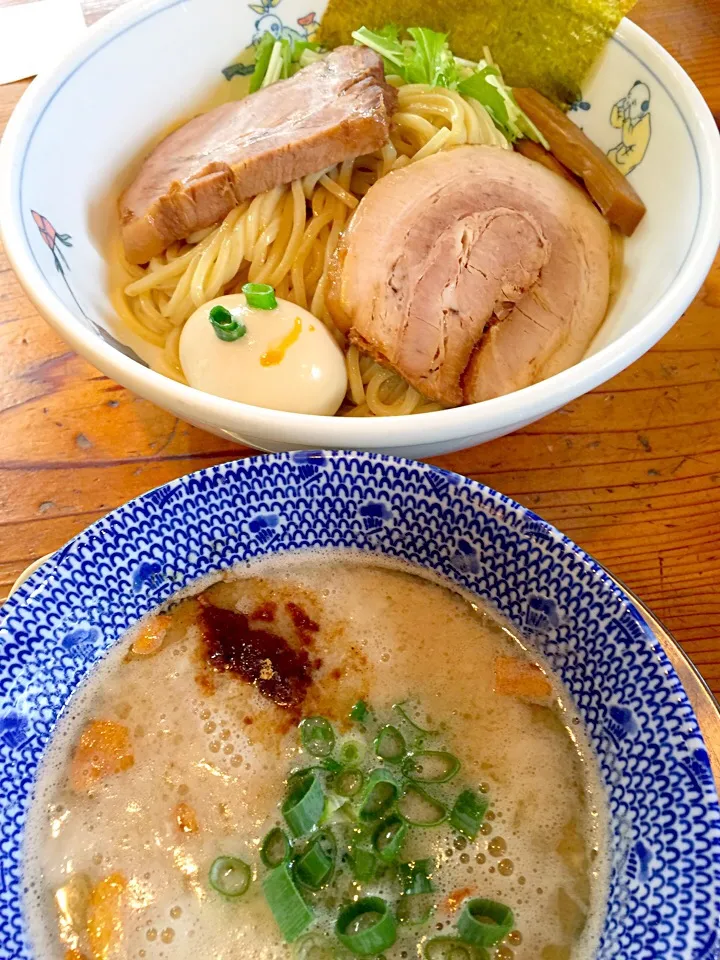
(473, 273)
(287, 359)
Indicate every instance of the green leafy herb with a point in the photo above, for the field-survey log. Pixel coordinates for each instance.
(427, 58)
(379, 795)
(263, 51)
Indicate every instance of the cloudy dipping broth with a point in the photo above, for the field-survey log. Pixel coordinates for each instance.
(170, 757)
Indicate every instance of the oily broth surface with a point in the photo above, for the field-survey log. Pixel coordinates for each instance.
(212, 741)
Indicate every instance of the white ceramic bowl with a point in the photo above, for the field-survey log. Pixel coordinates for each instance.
(81, 123)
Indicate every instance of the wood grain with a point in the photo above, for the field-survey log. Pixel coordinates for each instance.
(631, 471)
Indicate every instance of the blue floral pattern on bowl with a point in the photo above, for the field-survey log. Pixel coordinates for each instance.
(665, 836)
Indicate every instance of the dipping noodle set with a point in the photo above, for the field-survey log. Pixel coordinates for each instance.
(325, 706)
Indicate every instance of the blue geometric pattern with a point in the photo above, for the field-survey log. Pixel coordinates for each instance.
(665, 835)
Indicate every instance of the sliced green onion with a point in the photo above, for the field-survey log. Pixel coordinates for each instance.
(360, 712)
(451, 948)
(430, 766)
(315, 867)
(366, 927)
(348, 782)
(415, 911)
(364, 865)
(401, 708)
(415, 877)
(291, 913)
(390, 744)
(314, 946)
(226, 326)
(485, 922)
(230, 876)
(331, 765)
(389, 838)
(419, 809)
(275, 848)
(260, 295)
(333, 805)
(304, 805)
(379, 795)
(317, 736)
(468, 812)
(352, 752)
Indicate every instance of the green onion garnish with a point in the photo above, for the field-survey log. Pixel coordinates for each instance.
(419, 809)
(389, 838)
(260, 295)
(230, 876)
(275, 848)
(415, 877)
(450, 948)
(315, 867)
(331, 765)
(291, 913)
(314, 946)
(352, 752)
(317, 736)
(364, 865)
(226, 326)
(402, 710)
(414, 911)
(347, 783)
(468, 812)
(304, 805)
(390, 744)
(485, 922)
(379, 794)
(360, 712)
(366, 927)
(430, 766)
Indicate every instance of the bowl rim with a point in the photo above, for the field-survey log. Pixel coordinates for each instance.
(497, 414)
(63, 563)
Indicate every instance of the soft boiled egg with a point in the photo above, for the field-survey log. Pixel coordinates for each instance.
(286, 360)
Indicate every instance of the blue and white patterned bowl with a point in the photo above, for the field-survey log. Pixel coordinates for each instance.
(665, 835)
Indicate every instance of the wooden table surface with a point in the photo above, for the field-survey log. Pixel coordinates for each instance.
(631, 471)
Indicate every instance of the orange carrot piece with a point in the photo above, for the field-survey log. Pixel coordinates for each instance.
(105, 926)
(520, 678)
(150, 639)
(186, 818)
(104, 749)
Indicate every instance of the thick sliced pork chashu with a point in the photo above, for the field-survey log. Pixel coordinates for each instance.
(334, 109)
(473, 272)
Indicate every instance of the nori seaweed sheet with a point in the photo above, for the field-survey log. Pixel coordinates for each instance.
(546, 44)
